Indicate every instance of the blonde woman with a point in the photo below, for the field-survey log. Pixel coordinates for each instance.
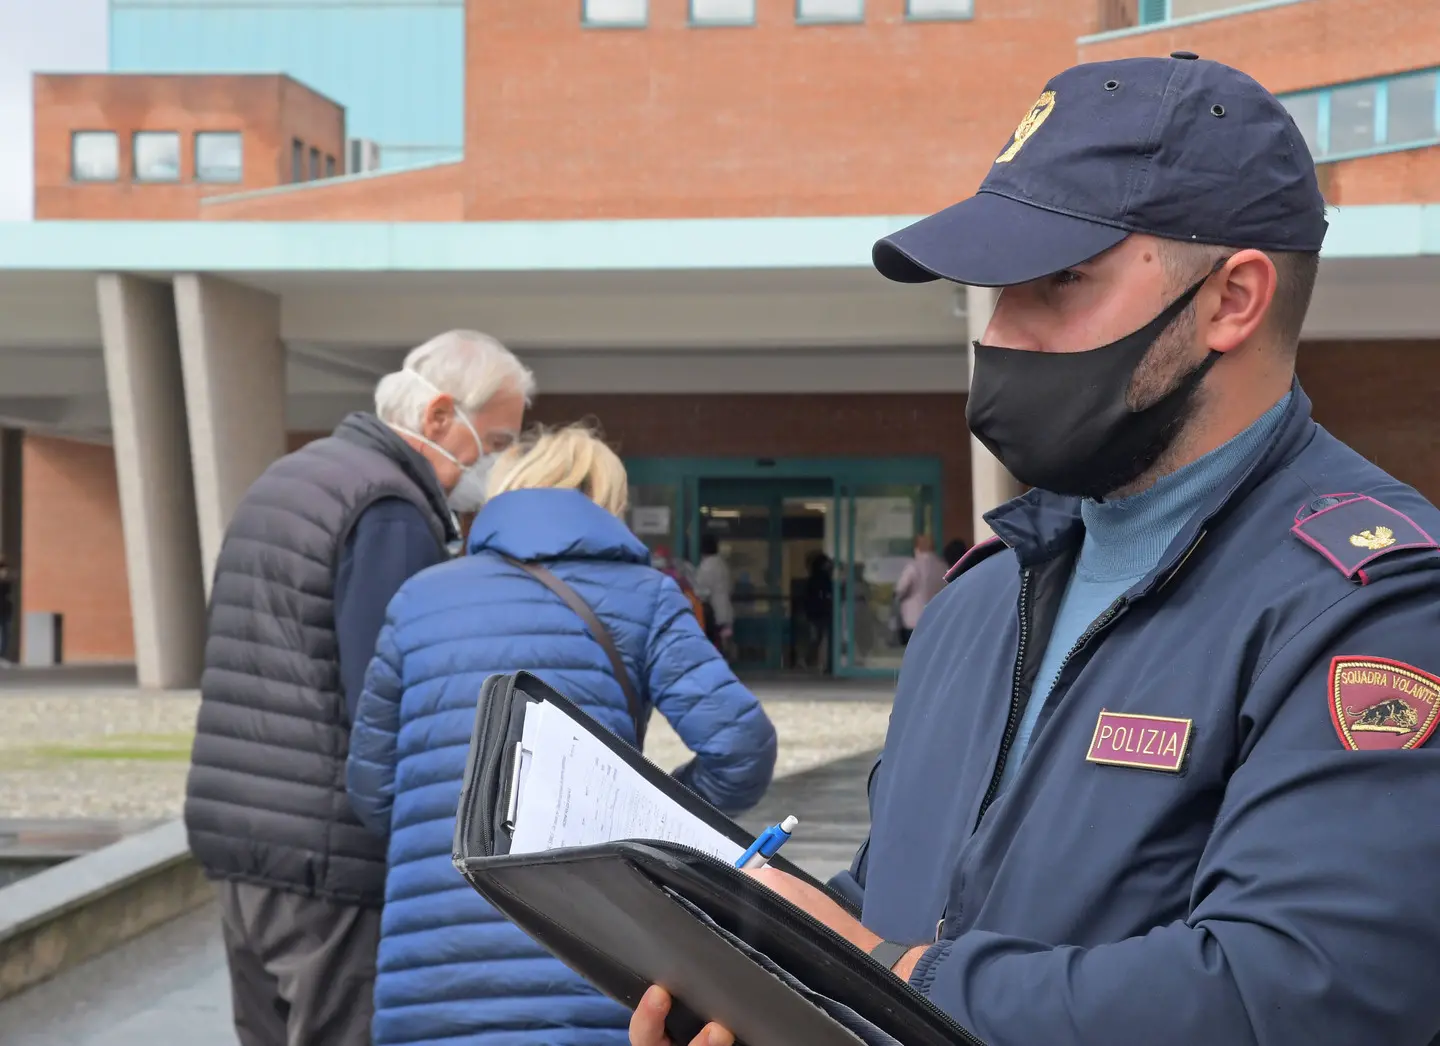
(450, 969)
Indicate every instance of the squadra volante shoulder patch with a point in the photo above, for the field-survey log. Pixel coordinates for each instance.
(1376, 703)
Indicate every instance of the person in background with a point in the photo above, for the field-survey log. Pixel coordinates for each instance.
(715, 587)
(920, 581)
(314, 552)
(819, 608)
(450, 968)
(954, 551)
(679, 572)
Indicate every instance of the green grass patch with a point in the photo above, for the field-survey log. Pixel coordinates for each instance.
(145, 748)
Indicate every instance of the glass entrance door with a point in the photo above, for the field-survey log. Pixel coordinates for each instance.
(876, 539)
(768, 532)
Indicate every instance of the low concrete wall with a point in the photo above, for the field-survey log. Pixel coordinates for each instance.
(66, 914)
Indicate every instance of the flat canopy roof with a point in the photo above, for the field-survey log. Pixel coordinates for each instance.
(1381, 231)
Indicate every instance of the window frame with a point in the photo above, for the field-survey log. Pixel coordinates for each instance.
(198, 137)
(114, 137)
(803, 19)
(712, 23)
(1140, 12)
(297, 161)
(1380, 131)
(135, 174)
(588, 23)
(329, 166)
(911, 16)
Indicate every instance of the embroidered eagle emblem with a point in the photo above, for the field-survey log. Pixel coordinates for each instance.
(1374, 540)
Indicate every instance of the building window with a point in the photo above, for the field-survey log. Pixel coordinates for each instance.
(614, 12)
(1412, 110)
(157, 156)
(1352, 119)
(722, 12)
(219, 157)
(297, 160)
(314, 164)
(329, 166)
(921, 10)
(1305, 111)
(1348, 120)
(94, 156)
(830, 10)
(1151, 12)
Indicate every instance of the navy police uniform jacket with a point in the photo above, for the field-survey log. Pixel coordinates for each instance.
(1227, 828)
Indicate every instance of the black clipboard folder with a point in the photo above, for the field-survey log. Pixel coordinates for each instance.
(630, 913)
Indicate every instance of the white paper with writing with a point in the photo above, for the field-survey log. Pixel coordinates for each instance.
(576, 792)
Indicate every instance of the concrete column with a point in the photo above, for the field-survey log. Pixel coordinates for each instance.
(157, 493)
(990, 484)
(12, 490)
(234, 369)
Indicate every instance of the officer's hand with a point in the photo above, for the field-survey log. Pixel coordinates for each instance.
(818, 904)
(647, 1024)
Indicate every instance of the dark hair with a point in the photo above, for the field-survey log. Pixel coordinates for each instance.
(1295, 273)
(954, 550)
(709, 545)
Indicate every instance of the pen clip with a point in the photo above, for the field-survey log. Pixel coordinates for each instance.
(512, 804)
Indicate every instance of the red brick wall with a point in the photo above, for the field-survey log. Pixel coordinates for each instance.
(782, 426)
(268, 110)
(1411, 176)
(74, 552)
(888, 117)
(431, 194)
(1295, 46)
(1379, 397)
(316, 121)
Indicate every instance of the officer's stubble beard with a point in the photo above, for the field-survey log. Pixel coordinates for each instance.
(1170, 361)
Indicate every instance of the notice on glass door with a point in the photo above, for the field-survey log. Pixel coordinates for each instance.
(650, 520)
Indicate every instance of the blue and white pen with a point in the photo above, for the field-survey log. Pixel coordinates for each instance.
(767, 844)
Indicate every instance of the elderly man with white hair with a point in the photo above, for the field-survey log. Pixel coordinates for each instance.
(316, 549)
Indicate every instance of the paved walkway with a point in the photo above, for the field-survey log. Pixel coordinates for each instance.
(170, 986)
(83, 743)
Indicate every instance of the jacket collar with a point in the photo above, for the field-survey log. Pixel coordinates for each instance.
(1039, 525)
(366, 430)
(553, 524)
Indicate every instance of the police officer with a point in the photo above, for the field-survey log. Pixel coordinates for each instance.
(1161, 766)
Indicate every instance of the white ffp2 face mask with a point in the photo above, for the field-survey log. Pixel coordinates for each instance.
(472, 489)
(468, 494)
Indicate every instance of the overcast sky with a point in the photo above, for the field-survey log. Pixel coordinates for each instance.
(51, 36)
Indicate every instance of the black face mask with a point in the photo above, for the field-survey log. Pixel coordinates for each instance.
(1059, 420)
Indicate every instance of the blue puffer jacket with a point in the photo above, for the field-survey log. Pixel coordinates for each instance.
(450, 969)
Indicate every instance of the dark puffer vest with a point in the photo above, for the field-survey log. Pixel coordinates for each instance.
(265, 802)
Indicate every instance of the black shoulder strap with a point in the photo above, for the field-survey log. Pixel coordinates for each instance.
(602, 636)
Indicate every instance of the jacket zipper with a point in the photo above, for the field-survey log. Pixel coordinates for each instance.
(1013, 721)
(1096, 627)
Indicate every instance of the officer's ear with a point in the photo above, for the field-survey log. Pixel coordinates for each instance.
(1234, 304)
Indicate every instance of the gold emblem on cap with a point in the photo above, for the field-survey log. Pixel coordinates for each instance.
(1374, 540)
(1042, 108)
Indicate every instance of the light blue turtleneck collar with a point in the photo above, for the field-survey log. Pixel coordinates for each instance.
(1125, 539)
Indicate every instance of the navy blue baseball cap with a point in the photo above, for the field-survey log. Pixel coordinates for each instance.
(1178, 147)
